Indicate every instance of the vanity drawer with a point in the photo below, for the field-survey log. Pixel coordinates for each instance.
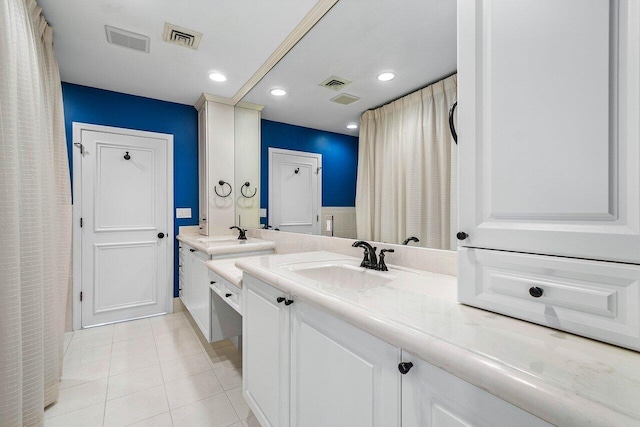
(596, 299)
(229, 293)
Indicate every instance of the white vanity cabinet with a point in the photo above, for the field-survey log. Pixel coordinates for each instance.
(548, 113)
(304, 367)
(432, 397)
(194, 291)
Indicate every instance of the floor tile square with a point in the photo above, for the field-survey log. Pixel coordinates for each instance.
(191, 389)
(136, 407)
(184, 367)
(214, 411)
(133, 382)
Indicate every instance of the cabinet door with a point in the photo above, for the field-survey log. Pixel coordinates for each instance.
(199, 296)
(187, 286)
(265, 340)
(432, 397)
(548, 113)
(340, 375)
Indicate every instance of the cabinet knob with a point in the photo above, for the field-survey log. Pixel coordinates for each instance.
(461, 235)
(192, 250)
(405, 367)
(212, 282)
(227, 295)
(535, 291)
(280, 299)
(288, 302)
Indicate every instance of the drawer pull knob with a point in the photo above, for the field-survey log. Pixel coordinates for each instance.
(212, 282)
(535, 291)
(227, 295)
(280, 299)
(405, 367)
(288, 302)
(192, 250)
(461, 235)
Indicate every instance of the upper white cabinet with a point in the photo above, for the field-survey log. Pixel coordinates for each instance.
(247, 165)
(215, 163)
(548, 121)
(228, 151)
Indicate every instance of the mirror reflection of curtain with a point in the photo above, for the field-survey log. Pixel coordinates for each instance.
(407, 169)
(35, 208)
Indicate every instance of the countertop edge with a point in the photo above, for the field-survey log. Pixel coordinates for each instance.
(232, 249)
(549, 402)
(224, 273)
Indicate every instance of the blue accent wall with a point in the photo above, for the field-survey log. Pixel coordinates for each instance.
(339, 159)
(101, 107)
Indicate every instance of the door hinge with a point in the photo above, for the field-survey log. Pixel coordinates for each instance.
(80, 295)
(81, 222)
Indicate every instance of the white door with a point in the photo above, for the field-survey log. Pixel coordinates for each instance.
(126, 235)
(295, 190)
(549, 142)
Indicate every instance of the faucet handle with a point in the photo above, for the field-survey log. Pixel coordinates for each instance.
(382, 266)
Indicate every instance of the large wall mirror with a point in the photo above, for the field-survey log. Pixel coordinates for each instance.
(331, 78)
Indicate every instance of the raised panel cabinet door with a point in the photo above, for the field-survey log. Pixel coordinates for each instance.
(340, 375)
(187, 287)
(200, 296)
(548, 117)
(266, 352)
(432, 397)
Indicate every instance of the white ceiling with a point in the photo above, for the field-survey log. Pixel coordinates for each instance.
(356, 39)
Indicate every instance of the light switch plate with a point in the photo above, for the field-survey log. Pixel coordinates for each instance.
(183, 212)
(263, 213)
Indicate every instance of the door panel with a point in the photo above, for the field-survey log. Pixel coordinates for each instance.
(341, 375)
(124, 207)
(114, 291)
(294, 191)
(550, 140)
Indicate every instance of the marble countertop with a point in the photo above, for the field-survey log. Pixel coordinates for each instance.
(224, 244)
(227, 269)
(562, 378)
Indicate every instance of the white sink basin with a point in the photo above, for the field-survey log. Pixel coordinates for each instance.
(217, 239)
(344, 276)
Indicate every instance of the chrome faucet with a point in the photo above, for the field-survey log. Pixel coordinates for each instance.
(370, 260)
(410, 239)
(242, 235)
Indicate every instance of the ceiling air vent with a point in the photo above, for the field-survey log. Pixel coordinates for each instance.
(127, 39)
(345, 99)
(335, 83)
(181, 36)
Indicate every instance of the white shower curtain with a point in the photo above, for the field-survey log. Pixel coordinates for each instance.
(407, 169)
(35, 211)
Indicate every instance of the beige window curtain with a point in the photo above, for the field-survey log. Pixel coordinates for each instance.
(407, 169)
(35, 209)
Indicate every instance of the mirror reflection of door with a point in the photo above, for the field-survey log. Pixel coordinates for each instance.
(295, 190)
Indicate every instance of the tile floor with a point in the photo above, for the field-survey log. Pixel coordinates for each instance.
(151, 372)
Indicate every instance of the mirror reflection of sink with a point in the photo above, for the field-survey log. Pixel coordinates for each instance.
(344, 276)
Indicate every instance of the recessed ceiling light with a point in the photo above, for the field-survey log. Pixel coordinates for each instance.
(278, 92)
(385, 77)
(352, 126)
(217, 77)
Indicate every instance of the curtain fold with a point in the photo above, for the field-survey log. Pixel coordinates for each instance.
(407, 169)
(35, 209)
